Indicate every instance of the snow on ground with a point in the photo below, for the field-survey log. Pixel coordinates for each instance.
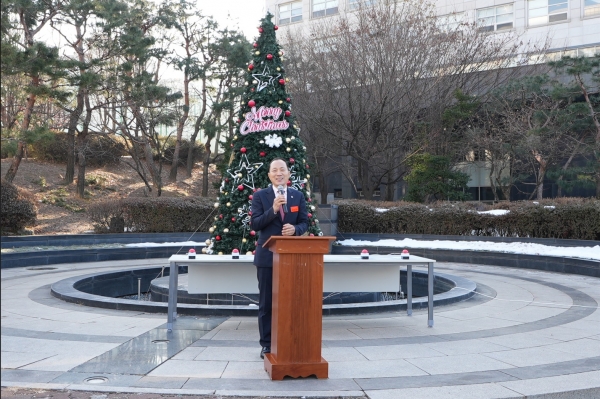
(509, 247)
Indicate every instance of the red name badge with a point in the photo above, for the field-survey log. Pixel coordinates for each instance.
(294, 209)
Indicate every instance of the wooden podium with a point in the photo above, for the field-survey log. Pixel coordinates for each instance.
(297, 315)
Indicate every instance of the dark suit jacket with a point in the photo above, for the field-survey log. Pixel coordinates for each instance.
(267, 223)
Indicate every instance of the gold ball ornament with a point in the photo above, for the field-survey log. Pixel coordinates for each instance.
(204, 250)
(207, 242)
(257, 52)
(288, 149)
(278, 69)
(280, 53)
(244, 240)
(280, 101)
(307, 176)
(287, 79)
(225, 230)
(229, 204)
(249, 253)
(211, 230)
(216, 204)
(220, 253)
(239, 175)
(288, 140)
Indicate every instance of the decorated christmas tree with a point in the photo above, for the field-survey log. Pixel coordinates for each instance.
(266, 130)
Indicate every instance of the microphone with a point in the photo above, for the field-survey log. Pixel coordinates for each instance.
(280, 191)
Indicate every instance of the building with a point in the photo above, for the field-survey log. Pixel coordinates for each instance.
(573, 27)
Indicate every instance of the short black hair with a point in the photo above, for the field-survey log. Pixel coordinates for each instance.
(278, 159)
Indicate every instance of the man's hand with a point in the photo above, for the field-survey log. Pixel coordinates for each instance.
(288, 230)
(279, 200)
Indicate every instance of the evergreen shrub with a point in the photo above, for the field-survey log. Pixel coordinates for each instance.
(565, 218)
(101, 151)
(152, 215)
(183, 151)
(18, 208)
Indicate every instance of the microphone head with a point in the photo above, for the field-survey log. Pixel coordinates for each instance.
(280, 188)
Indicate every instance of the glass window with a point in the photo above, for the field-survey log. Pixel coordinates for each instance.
(355, 4)
(321, 8)
(450, 22)
(290, 12)
(591, 8)
(495, 18)
(546, 11)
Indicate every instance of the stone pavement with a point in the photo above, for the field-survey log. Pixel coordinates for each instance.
(527, 334)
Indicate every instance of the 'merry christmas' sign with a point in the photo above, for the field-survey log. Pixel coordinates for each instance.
(255, 121)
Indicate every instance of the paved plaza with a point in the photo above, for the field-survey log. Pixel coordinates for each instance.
(526, 333)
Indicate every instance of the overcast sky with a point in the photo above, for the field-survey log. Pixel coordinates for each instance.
(245, 14)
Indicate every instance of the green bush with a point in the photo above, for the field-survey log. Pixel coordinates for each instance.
(169, 150)
(101, 150)
(152, 215)
(18, 209)
(567, 218)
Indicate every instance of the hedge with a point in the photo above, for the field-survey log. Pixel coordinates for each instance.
(566, 218)
(18, 208)
(152, 215)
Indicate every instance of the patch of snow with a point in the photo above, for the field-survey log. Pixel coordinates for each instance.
(495, 212)
(484, 246)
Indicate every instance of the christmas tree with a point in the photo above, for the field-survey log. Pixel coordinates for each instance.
(266, 130)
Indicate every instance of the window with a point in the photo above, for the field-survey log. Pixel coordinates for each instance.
(290, 12)
(450, 22)
(355, 4)
(547, 11)
(591, 8)
(495, 18)
(321, 8)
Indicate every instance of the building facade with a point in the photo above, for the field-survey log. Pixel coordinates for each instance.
(572, 27)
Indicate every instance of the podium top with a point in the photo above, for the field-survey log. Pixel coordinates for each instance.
(299, 244)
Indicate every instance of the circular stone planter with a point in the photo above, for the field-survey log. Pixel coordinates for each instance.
(104, 289)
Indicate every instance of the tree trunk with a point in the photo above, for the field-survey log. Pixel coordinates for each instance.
(81, 167)
(14, 166)
(154, 174)
(323, 189)
(175, 162)
(205, 168)
(70, 171)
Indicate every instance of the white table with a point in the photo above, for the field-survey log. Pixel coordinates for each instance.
(212, 274)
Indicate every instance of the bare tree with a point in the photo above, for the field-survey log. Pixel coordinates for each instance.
(378, 79)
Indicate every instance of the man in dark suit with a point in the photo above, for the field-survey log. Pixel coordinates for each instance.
(274, 213)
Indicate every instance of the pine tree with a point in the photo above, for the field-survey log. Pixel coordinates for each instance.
(266, 130)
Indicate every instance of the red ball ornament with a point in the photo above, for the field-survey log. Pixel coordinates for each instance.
(309, 200)
(310, 215)
(292, 161)
(255, 45)
(260, 29)
(243, 150)
(251, 103)
(221, 216)
(281, 81)
(233, 220)
(307, 167)
(287, 113)
(252, 233)
(312, 235)
(263, 154)
(231, 145)
(250, 197)
(241, 187)
(288, 99)
(249, 213)
(250, 67)
(276, 27)
(269, 56)
(289, 183)
(218, 238)
(252, 89)
(226, 180)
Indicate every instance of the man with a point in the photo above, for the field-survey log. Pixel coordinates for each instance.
(274, 213)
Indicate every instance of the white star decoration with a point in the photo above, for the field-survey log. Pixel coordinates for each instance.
(264, 79)
(244, 217)
(296, 181)
(249, 168)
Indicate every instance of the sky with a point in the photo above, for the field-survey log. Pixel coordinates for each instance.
(245, 14)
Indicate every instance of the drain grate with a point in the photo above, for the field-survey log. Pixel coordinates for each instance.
(95, 380)
(160, 341)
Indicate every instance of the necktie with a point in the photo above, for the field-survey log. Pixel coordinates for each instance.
(281, 212)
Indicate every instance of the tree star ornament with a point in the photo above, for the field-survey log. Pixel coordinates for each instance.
(264, 79)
